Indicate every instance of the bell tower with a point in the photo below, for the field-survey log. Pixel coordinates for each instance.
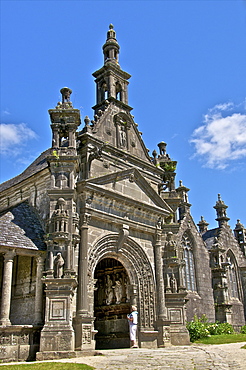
(111, 80)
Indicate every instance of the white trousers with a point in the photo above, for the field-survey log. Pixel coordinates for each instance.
(133, 331)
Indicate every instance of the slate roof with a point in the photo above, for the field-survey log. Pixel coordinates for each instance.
(39, 164)
(209, 236)
(20, 227)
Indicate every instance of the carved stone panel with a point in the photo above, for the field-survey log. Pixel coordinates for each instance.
(57, 309)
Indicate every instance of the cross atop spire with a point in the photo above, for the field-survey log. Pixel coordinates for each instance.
(111, 47)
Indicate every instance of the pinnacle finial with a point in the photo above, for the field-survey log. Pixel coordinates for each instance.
(65, 103)
(111, 47)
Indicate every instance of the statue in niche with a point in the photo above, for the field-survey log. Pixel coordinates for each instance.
(58, 265)
(118, 289)
(109, 290)
(174, 284)
(122, 135)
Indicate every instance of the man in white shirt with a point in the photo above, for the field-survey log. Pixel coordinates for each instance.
(133, 321)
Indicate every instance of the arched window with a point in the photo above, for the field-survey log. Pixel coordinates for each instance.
(189, 269)
(118, 92)
(104, 90)
(232, 275)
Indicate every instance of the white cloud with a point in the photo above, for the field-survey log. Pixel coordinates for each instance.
(14, 136)
(222, 107)
(6, 112)
(222, 138)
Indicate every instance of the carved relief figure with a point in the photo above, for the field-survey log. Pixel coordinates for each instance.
(58, 268)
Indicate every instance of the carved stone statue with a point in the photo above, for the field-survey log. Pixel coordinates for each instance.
(58, 265)
(109, 290)
(118, 289)
(174, 284)
(122, 137)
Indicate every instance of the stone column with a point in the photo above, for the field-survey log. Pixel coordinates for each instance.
(163, 325)
(82, 290)
(6, 288)
(83, 322)
(39, 291)
(162, 311)
(55, 140)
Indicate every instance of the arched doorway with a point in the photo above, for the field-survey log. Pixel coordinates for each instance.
(111, 304)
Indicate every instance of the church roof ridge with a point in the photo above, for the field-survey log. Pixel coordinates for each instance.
(37, 165)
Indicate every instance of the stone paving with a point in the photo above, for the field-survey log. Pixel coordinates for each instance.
(194, 357)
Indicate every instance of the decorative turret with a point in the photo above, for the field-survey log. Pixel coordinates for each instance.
(203, 225)
(184, 204)
(221, 212)
(64, 122)
(111, 80)
(240, 234)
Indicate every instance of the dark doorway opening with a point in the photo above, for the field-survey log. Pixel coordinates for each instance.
(111, 305)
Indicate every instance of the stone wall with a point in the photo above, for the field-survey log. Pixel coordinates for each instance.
(19, 343)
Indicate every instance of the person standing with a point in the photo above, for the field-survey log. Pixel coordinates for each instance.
(133, 322)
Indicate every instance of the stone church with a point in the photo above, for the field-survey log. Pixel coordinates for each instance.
(96, 224)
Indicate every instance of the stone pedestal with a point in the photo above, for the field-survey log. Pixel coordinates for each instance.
(84, 333)
(164, 337)
(148, 338)
(58, 333)
(175, 302)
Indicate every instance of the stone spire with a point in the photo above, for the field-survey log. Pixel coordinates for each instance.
(221, 207)
(111, 80)
(111, 47)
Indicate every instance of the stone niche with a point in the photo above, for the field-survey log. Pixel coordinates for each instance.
(111, 305)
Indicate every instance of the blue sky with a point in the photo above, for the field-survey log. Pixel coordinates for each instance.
(187, 61)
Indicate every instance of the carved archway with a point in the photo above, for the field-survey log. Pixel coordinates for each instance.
(139, 271)
(111, 304)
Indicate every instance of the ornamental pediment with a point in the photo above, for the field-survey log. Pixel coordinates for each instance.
(130, 184)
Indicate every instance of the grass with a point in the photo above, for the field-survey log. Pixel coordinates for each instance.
(47, 366)
(222, 339)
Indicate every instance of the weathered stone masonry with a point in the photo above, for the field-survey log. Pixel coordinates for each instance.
(96, 224)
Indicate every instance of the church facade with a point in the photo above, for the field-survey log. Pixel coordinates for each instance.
(95, 224)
